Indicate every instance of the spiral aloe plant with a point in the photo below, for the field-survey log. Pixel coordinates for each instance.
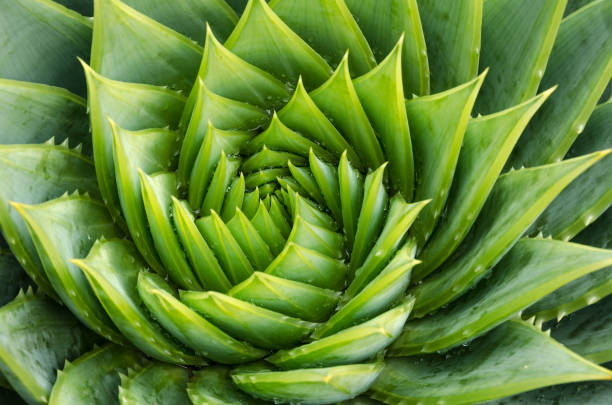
(305, 201)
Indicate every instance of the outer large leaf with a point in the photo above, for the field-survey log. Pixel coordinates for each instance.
(589, 196)
(41, 42)
(112, 268)
(437, 127)
(588, 332)
(487, 144)
(33, 113)
(586, 290)
(581, 63)
(387, 113)
(315, 385)
(517, 39)
(24, 182)
(131, 106)
(452, 34)
(63, 229)
(263, 39)
(530, 270)
(512, 358)
(383, 23)
(329, 28)
(190, 17)
(131, 47)
(156, 383)
(498, 227)
(37, 335)
(94, 377)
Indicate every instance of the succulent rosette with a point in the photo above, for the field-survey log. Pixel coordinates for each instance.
(305, 201)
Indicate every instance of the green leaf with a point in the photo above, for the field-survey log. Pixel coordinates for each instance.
(317, 238)
(37, 335)
(487, 144)
(581, 63)
(588, 197)
(305, 180)
(305, 209)
(33, 113)
(222, 113)
(383, 23)
(352, 345)
(249, 240)
(150, 150)
(112, 268)
(157, 193)
(351, 195)
(329, 28)
(513, 358)
(516, 42)
(326, 178)
(280, 137)
(222, 242)
(400, 217)
(588, 332)
(42, 30)
(382, 96)
(164, 56)
(526, 191)
(371, 218)
(224, 173)
(379, 295)
(190, 328)
(215, 142)
(268, 230)
(66, 170)
(586, 290)
(227, 75)
(189, 17)
(452, 34)
(315, 385)
(437, 128)
(234, 199)
(257, 325)
(267, 158)
(302, 115)
(213, 385)
(131, 106)
(156, 383)
(279, 216)
(587, 393)
(94, 377)
(201, 257)
(263, 39)
(530, 270)
(64, 229)
(338, 100)
(298, 263)
(288, 297)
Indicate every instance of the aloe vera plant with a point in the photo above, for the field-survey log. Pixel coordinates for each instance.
(305, 201)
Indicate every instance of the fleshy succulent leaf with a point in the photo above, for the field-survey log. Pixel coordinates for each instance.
(37, 336)
(164, 57)
(516, 44)
(452, 34)
(156, 383)
(213, 385)
(581, 63)
(54, 34)
(94, 377)
(498, 227)
(66, 170)
(530, 270)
